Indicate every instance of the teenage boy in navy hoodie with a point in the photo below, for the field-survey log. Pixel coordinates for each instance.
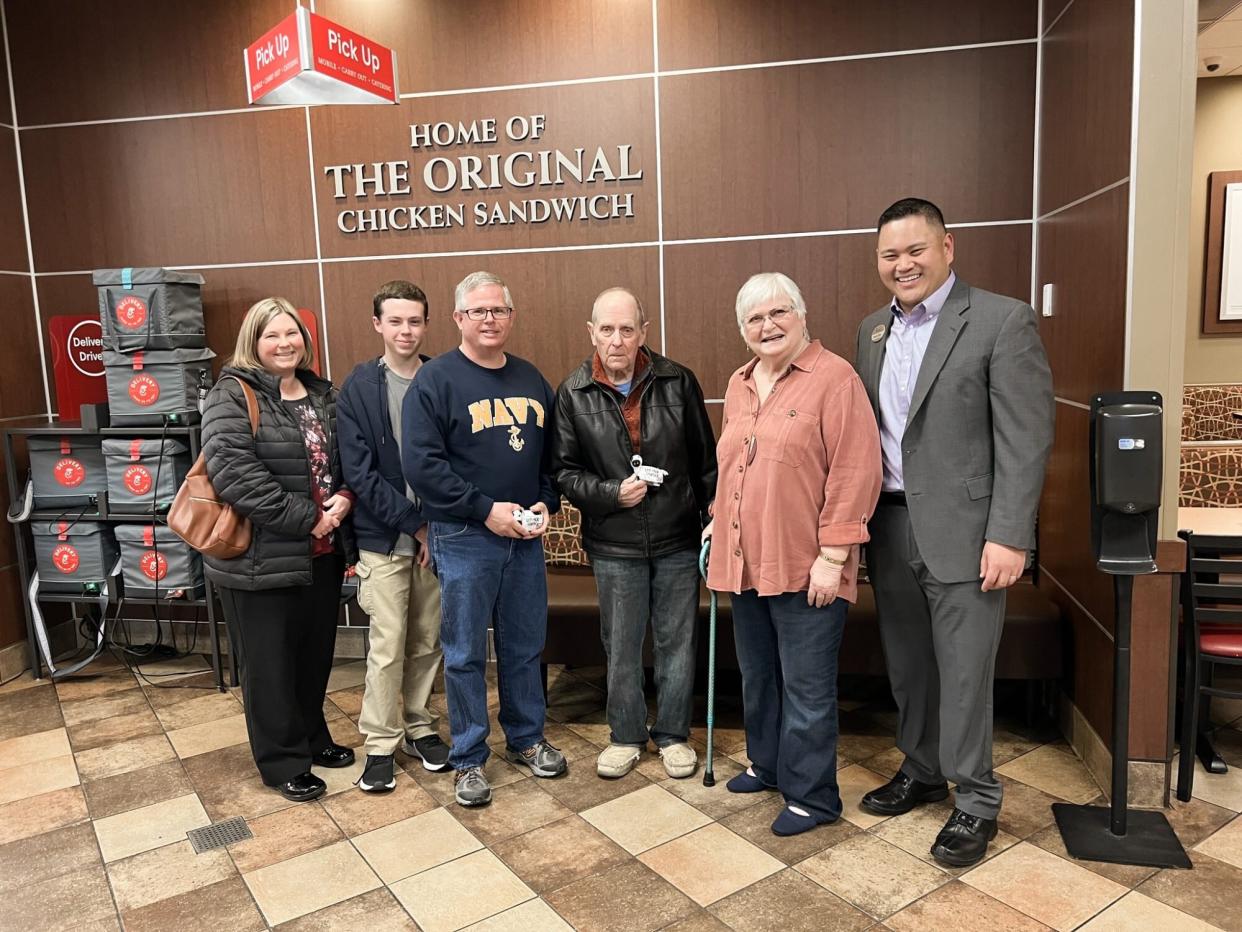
(396, 585)
(477, 453)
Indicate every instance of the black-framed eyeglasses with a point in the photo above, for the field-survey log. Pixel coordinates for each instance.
(480, 313)
(778, 316)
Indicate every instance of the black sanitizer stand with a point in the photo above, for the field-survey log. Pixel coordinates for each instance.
(1126, 469)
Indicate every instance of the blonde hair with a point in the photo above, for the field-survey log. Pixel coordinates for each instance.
(261, 313)
(478, 280)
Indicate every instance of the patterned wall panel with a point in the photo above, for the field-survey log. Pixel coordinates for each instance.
(1211, 476)
(1211, 412)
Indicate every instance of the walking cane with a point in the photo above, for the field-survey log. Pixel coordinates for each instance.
(709, 775)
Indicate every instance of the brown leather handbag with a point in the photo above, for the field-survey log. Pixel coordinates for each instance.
(200, 517)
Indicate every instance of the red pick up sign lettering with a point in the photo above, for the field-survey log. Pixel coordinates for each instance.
(307, 60)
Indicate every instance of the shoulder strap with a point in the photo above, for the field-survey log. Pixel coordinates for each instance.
(252, 404)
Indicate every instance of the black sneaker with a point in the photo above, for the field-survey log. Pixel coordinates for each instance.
(433, 752)
(377, 775)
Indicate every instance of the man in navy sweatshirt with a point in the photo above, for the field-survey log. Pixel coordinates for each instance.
(476, 450)
(396, 585)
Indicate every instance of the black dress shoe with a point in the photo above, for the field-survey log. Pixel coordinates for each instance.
(964, 839)
(303, 788)
(333, 756)
(901, 794)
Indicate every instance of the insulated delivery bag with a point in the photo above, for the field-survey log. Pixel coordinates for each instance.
(73, 555)
(156, 563)
(66, 471)
(144, 474)
(150, 309)
(152, 387)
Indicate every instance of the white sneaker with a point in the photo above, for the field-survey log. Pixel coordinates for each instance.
(617, 760)
(679, 760)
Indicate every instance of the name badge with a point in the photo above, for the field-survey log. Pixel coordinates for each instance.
(877, 334)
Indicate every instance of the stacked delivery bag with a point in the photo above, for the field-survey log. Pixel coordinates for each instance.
(157, 366)
(156, 358)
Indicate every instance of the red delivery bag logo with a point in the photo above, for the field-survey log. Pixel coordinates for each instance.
(69, 472)
(154, 565)
(144, 390)
(138, 480)
(131, 312)
(65, 557)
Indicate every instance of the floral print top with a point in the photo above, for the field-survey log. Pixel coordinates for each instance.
(315, 437)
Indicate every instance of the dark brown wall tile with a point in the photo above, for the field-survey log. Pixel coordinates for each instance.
(1090, 685)
(1065, 517)
(1152, 623)
(1082, 252)
(125, 58)
(481, 43)
(1085, 102)
(6, 105)
(553, 293)
(588, 116)
(838, 280)
(12, 229)
(708, 33)
(215, 189)
(21, 382)
(829, 146)
(12, 615)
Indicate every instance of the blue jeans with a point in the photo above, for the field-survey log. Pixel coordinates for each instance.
(787, 652)
(487, 580)
(665, 590)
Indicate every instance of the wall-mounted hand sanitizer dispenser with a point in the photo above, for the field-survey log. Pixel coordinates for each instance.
(1126, 470)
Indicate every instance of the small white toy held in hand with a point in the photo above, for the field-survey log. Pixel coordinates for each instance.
(530, 520)
(652, 475)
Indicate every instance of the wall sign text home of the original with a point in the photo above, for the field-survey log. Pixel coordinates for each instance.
(527, 170)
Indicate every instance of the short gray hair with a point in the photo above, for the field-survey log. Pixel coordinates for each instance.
(618, 289)
(767, 286)
(478, 280)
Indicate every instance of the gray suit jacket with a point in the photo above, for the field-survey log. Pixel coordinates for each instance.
(979, 430)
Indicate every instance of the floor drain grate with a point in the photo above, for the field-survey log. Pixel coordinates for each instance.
(219, 834)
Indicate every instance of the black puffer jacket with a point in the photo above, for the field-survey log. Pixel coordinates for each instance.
(591, 457)
(266, 477)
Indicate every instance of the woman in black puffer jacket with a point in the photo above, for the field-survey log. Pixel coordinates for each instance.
(281, 596)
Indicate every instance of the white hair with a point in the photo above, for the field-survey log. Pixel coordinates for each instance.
(767, 286)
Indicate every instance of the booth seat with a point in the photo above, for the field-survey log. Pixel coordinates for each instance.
(1032, 647)
(1211, 453)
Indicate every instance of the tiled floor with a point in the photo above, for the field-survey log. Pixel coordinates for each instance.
(101, 777)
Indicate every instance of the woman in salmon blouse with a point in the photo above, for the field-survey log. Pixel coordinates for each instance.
(799, 477)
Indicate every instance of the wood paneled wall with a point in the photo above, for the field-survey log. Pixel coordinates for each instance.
(21, 385)
(769, 137)
(1082, 243)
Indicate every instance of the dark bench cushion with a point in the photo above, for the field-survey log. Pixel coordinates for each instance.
(1031, 645)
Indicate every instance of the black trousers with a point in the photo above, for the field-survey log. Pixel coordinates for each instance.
(284, 639)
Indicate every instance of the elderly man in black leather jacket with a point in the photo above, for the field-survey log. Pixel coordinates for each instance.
(624, 408)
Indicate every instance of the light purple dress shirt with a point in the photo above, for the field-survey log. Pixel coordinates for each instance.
(903, 356)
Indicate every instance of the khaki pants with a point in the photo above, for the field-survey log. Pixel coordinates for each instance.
(403, 600)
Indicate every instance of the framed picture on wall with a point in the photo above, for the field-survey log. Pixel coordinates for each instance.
(1222, 275)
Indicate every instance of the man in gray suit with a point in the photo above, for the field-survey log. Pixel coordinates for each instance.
(963, 396)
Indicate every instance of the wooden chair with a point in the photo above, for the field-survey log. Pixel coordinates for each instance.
(1212, 632)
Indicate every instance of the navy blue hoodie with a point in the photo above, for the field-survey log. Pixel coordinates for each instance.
(474, 436)
(371, 460)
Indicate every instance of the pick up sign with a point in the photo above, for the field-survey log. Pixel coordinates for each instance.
(306, 60)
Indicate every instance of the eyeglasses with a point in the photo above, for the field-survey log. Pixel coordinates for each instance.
(480, 313)
(778, 316)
